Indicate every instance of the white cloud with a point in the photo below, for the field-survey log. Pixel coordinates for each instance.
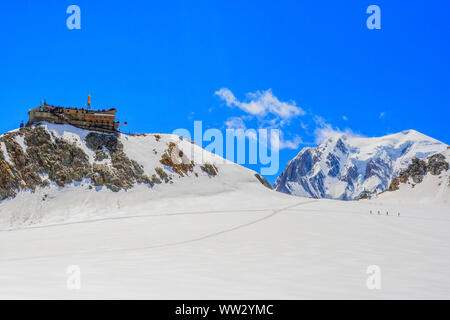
(261, 104)
(238, 123)
(291, 144)
(235, 123)
(325, 131)
(282, 143)
(226, 95)
(267, 109)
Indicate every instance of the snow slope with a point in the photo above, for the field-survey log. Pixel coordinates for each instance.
(346, 167)
(222, 237)
(250, 243)
(79, 201)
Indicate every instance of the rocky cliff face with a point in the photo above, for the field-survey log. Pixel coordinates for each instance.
(348, 168)
(434, 165)
(32, 157)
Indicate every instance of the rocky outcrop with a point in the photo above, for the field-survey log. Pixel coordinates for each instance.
(263, 181)
(437, 164)
(416, 171)
(123, 172)
(42, 158)
(210, 169)
(162, 174)
(175, 159)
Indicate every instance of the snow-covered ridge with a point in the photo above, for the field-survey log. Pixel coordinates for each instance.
(345, 167)
(49, 167)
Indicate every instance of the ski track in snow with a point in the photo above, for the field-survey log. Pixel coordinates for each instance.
(207, 236)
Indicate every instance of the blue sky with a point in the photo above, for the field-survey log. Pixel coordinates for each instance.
(163, 64)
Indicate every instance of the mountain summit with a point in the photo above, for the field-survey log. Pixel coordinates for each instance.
(346, 167)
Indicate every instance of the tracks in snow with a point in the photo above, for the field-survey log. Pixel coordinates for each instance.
(171, 244)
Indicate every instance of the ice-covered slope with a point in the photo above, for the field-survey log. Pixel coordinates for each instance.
(345, 167)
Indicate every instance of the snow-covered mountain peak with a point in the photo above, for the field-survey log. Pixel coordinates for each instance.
(348, 167)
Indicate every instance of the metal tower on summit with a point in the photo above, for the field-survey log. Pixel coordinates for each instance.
(88, 105)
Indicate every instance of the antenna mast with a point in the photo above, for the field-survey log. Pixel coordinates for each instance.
(88, 105)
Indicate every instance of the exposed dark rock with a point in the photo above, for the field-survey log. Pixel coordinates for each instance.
(210, 169)
(416, 171)
(155, 179)
(317, 181)
(100, 155)
(124, 172)
(263, 180)
(364, 195)
(333, 163)
(352, 173)
(63, 162)
(162, 174)
(437, 164)
(395, 184)
(96, 141)
(341, 146)
(296, 170)
(372, 169)
(174, 158)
